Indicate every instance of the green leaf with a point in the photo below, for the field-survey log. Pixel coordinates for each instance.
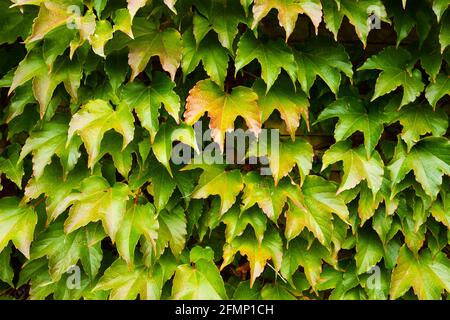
(94, 119)
(439, 7)
(418, 14)
(15, 23)
(324, 59)
(123, 159)
(430, 57)
(427, 275)
(418, 120)
(57, 199)
(171, 5)
(237, 221)
(440, 210)
(97, 200)
(369, 250)
(429, 159)
(223, 108)
(22, 97)
(244, 292)
(215, 180)
(125, 284)
(199, 282)
(167, 134)
(134, 5)
(291, 105)
(87, 26)
(276, 292)
(356, 12)
(312, 207)
(213, 56)
(437, 90)
(99, 6)
(139, 220)
(149, 41)
(246, 4)
(12, 166)
(163, 185)
(357, 167)
(6, 271)
(310, 258)
(147, 101)
(329, 278)
(210, 217)
(64, 70)
(36, 272)
(197, 253)
(123, 21)
(368, 202)
(64, 251)
(444, 34)
(103, 33)
(172, 230)
(283, 156)
(412, 225)
(396, 65)
(30, 67)
(48, 141)
(221, 16)
(272, 56)
(116, 69)
(52, 14)
(288, 11)
(257, 253)
(17, 224)
(262, 191)
(56, 43)
(353, 116)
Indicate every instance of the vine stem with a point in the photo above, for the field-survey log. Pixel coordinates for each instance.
(138, 192)
(38, 202)
(277, 273)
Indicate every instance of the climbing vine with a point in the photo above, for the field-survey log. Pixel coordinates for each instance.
(117, 172)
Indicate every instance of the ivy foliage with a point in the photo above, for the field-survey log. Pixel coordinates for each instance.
(95, 93)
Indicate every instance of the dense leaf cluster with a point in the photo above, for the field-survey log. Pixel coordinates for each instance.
(95, 93)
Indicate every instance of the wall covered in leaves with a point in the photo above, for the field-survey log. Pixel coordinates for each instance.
(96, 93)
